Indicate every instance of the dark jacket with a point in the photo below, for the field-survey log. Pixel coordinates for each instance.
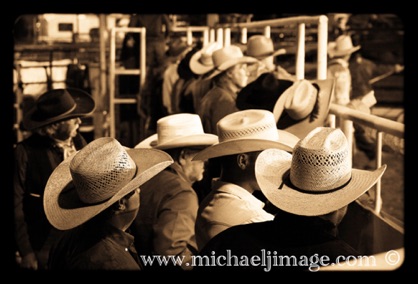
(287, 240)
(35, 159)
(95, 245)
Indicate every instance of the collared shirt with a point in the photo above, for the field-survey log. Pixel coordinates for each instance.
(225, 206)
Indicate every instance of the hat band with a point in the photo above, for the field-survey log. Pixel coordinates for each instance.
(263, 55)
(288, 182)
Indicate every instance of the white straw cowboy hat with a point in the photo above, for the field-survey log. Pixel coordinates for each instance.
(260, 47)
(227, 57)
(248, 131)
(95, 177)
(179, 130)
(201, 62)
(342, 46)
(317, 178)
(303, 106)
(57, 105)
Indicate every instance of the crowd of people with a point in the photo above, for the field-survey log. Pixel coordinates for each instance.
(239, 159)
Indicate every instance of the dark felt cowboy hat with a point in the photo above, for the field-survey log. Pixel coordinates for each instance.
(298, 107)
(57, 105)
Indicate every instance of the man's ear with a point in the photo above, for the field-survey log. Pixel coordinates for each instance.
(242, 161)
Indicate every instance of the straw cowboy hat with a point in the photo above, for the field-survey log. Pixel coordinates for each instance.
(227, 57)
(178, 130)
(201, 62)
(342, 46)
(304, 106)
(57, 105)
(260, 47)
(317, 179)
(248, 131)
(95, 177)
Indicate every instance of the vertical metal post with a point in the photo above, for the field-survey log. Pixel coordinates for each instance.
(227, 37)
(300, 53)
(322, 47)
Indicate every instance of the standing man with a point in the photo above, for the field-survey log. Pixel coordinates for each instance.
(54, 121)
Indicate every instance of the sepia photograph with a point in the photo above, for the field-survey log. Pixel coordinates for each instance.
(204, 142)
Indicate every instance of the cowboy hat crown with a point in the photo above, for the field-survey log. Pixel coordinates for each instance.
(260, 46)
(179, 130)
(95, 177)
(317, 178)
(57, 105)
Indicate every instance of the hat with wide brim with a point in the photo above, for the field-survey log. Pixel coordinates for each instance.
(287, 142)
(303, 126)
(203, 140)
(201, 62)
(261, 47)
(57, 105)
(179, 130)
(272, 174)
(227, 57)
(342, 46)
(248, 131)
(63, 206)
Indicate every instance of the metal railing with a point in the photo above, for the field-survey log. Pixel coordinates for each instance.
(383, 128)
(345, 116)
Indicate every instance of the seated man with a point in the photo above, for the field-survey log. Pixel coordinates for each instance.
(232, 201)
(312, 189)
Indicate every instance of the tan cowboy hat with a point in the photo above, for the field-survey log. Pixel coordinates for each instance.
(227, 57)
(303, 106)
(95, 177)
(260, 47)
(248, 131)
(201, 62)
(342, 46)
(178, 130)
(317, 179)
(57, 105)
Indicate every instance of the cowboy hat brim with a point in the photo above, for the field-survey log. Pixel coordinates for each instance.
(302, 127)
(85, 105)
(229, 63)
(332, 52)
(197, 67)
(187, 141)
(272, 174)
(287, 142)
(65, 210)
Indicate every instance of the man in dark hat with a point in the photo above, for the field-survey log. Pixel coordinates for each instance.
(53, 122)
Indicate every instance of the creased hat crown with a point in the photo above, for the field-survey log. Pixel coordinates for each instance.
(96, 182)
(321, 160)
